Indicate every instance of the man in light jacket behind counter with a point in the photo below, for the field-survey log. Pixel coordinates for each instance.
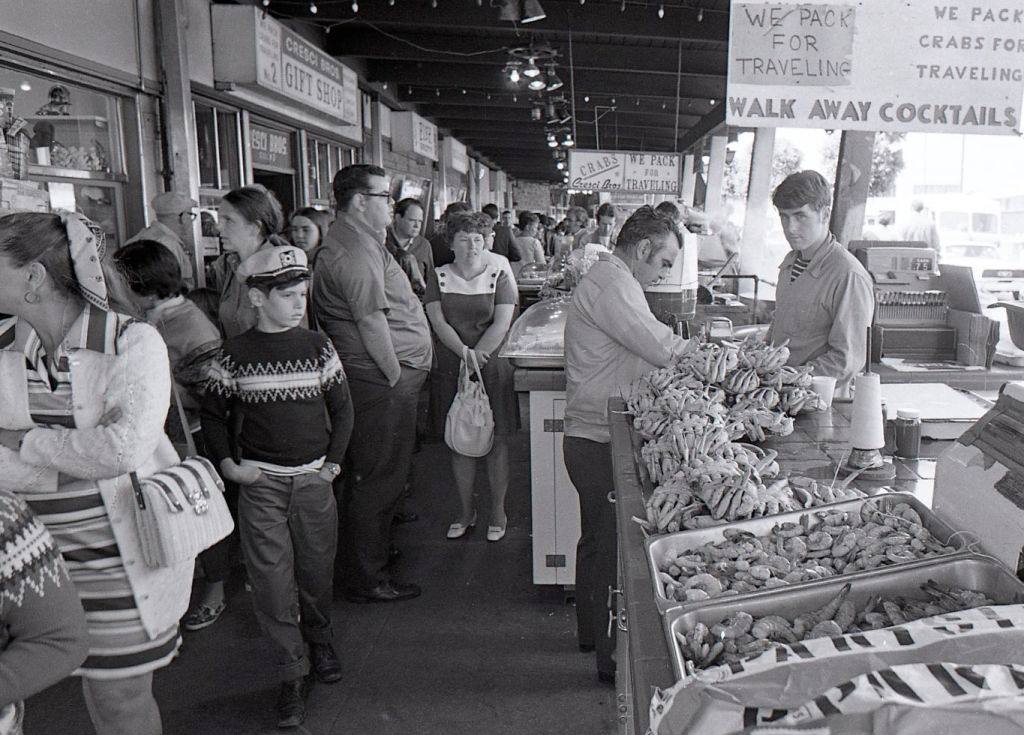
(611, 339)
(824, 300)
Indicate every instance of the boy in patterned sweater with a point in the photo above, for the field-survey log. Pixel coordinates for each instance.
(277, 418)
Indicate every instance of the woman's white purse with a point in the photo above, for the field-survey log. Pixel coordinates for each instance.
(469, 427)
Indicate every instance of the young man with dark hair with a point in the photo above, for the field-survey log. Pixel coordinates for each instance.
(611, 339)
(603, 232)
(366, 306)
(824, 300)
(284, 388)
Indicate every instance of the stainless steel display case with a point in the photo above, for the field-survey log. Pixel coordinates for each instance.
(969, 572)
(659, 546)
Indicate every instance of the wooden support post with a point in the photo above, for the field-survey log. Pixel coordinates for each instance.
(716, 175)
(376, 134)
(689, 180)
(853, 179)
(179, 125)
(754, 257)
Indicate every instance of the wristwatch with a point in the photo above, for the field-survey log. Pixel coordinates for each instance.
(333, 467)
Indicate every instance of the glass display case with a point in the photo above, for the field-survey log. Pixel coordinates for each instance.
(532, 274)
(537, 338)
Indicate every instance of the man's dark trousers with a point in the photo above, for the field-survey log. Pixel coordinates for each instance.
(379, 456)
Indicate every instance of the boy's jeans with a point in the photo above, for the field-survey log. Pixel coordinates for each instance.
(289, 534)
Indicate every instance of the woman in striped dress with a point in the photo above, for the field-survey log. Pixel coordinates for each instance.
(86, 391)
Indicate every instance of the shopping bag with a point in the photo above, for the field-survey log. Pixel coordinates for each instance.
(469, 426)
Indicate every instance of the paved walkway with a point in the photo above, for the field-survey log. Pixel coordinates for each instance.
(483, 651)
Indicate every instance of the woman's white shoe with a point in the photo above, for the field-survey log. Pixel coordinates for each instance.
(458, 530)
(496, 533)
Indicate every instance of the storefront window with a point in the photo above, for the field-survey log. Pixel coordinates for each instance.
(217, 143)
(61, 148)
(323, 160)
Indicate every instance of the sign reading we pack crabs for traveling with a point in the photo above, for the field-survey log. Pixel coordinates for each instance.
(877, 65)
(645, 173)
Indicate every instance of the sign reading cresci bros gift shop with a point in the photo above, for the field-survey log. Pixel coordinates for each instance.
(252, 48)
(942, 67)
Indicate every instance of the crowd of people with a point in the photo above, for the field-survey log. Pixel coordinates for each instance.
(307, 371)
(318, 354)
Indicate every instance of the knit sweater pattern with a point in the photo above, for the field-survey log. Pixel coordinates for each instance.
(28, 556)
(276, 386)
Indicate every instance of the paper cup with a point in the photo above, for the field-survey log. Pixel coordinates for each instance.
(825, 387)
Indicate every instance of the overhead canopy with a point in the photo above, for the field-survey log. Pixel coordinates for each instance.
(627, 67)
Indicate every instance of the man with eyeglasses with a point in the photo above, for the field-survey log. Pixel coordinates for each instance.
(365, 304)
(173, 229)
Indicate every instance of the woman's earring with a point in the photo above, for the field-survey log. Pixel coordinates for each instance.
(31, 297)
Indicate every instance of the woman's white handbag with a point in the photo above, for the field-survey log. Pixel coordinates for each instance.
(469, 427)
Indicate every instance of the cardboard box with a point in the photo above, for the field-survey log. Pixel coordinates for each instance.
(976, 337)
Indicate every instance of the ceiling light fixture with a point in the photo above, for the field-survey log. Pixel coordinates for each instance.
(567, 141)
(700, 15)
(531, 69)
(538, 84)
(553, 81)
(355, 6)
(661, 11)
(313, 8)
(532, 12)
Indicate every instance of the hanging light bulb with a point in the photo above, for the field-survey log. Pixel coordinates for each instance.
(622, 8)
(586, 98)
(433, 3)
(553, 81)
(560, 165)
(266, 3)
(463, 91)
(391, 3)
(700, 15)
(711, 102)
(552, 143)
(515, 98)
(513, 73)
(437, 92)
(613, 100)
(410, 90)
(531, 69)
(355, 7)
(567, 141)
(385, 86)
(537, 84)
(312, 8)
(661, 11)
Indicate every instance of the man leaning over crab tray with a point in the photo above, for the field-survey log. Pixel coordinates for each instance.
(611, 339)
(824, 301)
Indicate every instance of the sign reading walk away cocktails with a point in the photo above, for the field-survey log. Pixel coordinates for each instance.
(877, 65)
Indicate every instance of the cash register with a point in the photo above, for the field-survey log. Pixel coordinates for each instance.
(911, 307)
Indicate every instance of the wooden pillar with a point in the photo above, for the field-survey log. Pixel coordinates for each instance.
(754, 257)
(853, 179)
(716, 175)
(689, 180)
(179, 125)
(376, 134)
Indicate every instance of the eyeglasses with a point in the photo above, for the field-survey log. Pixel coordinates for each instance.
(191, 215)
(377, 193)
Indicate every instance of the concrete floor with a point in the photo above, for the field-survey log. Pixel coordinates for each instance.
(483, 651)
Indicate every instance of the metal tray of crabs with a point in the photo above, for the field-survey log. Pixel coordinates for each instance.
(691, 567)
(729, 630)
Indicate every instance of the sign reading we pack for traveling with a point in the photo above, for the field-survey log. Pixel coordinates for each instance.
(877, 65)
(642, 173)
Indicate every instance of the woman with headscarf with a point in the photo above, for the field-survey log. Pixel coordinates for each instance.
(86, 390)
